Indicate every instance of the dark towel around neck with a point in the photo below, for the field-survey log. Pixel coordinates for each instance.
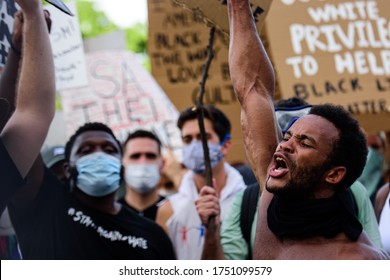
(317, 217)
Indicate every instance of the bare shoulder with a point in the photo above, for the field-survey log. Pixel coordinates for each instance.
(363, 249)
(164, 212)
(367, 252)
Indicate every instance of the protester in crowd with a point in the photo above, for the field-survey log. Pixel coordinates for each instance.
(50, 221)
(305, 211)
(382, 209)
(173, 172)
(178, 215)
(239, 227)
(54, 159)
(8, 90)
(35, 102)
(142, 162)
(85, 222)
(8, 241)
(372, 175)
(245, 171)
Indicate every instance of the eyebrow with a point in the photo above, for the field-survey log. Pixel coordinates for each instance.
(147, 154)
(103, 143)
(302, 137)
(198, 136)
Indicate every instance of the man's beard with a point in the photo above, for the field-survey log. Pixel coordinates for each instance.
(303, 181)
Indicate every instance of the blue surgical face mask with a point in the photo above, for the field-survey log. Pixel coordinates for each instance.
(98, 174)
(193, 157)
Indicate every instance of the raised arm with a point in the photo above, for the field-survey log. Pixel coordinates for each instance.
(254, 82)
(27, 128)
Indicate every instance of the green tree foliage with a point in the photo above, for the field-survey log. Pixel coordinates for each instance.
(136, 38)
(94, 22)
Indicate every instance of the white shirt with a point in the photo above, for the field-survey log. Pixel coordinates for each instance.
(384, 225)
(185, 227)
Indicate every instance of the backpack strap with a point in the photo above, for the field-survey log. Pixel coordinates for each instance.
(250, 199)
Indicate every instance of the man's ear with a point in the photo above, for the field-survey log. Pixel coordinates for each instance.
(335, 175)
(226, 147)
(162, 165)
(67, 169)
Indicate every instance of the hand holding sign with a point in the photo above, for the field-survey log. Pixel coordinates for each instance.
(61, 6)
(214, 11)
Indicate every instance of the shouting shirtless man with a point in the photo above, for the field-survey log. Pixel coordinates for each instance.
(305, 211)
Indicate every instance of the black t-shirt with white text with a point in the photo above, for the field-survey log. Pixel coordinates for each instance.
(10, 178)
(59, 226)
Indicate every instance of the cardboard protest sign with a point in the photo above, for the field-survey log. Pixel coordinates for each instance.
(178, 51)
(68, 50)
(334, 51)
(214, 12)
(123, 95)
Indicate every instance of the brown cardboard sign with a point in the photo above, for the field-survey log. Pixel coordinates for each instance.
(177, 49)
(334, 51)
(214, 12)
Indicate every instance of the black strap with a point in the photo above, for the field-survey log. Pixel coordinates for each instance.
(250, 199)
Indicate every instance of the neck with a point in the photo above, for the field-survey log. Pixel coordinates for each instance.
(139, 201)
(218, 174)
(316, 240)
(106, 204)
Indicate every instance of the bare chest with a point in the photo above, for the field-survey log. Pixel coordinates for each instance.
(304, 250)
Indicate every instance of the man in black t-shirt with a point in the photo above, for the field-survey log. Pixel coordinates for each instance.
(81, 219)
(142, 162)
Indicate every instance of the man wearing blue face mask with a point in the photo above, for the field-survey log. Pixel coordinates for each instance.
(178, 215)
(54, 220)
(142, 162)
(81, 219)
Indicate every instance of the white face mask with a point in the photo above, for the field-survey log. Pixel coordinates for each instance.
(143, 178)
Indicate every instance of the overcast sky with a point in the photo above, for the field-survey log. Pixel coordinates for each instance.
(125, 13)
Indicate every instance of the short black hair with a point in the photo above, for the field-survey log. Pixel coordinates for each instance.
(141, 133)
(91, 126)
(350, 150)
(218, 119)
(291, 102)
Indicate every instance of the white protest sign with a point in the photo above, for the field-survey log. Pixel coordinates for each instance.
(68, 50)
(123, 95)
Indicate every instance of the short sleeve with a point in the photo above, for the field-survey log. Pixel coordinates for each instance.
(233, 243)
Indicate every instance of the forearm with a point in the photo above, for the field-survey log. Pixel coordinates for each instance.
(36, 92)
(212, 248)
(250, 66)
